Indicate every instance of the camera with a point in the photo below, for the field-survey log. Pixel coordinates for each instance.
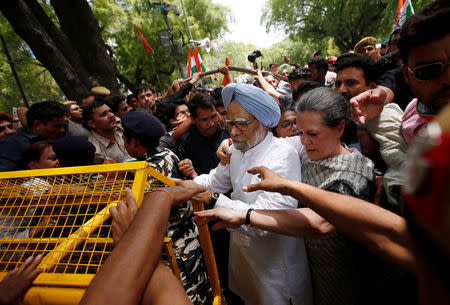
(254, 55)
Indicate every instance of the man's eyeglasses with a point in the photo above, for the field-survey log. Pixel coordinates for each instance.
(429, 71)
(287, 124)
(241, 124)
(3, 128)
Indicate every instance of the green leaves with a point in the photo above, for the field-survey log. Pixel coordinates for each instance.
(344, 20)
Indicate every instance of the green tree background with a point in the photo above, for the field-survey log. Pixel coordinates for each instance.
(331, 26)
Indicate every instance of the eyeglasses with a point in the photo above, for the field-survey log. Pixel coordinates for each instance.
(3, 128)
(287, 124)
(429, 71)
(241, 124)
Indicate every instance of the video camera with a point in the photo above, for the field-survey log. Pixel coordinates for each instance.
(254, 55)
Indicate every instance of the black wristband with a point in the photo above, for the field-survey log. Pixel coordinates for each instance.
(247, 218)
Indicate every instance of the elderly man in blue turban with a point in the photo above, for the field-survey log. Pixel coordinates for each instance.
(264, 268)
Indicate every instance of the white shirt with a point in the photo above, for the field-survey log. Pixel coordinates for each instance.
(264, 267)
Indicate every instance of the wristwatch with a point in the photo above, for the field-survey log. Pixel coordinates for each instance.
(214, 198)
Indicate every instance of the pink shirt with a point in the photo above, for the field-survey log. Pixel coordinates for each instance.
(412, 121)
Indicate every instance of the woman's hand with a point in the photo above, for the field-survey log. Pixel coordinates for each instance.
(270, 181)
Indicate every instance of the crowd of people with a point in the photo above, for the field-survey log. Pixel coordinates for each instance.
(332, 185)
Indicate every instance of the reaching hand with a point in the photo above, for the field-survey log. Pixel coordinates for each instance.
(182, 194)
(224, 70)
(204, 197)
(195, 78)
(224, 152)
(187, 169)
(229, 218)
(367, 105)
(270, 181)
(16, 283)
(122, 216)
(259, 73)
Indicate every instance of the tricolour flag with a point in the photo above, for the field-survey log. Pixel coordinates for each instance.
(404, 11)
(225, 80)
(194, 62)
(147, 47)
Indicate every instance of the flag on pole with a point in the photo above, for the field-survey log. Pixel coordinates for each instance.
(404, 11)
(194, 62)
(147, 47)
(225, 80)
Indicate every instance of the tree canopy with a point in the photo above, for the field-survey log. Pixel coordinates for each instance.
(345, 21)
(78, 59)
(79, 43)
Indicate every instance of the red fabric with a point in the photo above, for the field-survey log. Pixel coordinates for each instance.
(225, 80)
(427, 203)
(197, 60)
(147, 47)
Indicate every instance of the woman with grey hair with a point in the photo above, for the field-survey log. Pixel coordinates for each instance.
(342, 271)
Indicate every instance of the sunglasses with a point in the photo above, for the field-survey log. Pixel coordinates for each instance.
(429, 71)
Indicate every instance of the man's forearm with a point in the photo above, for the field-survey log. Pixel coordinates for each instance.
(128, 269)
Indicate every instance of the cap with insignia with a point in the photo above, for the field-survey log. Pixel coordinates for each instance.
(363, 42)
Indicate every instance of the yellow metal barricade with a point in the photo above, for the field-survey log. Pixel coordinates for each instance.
(63, 214)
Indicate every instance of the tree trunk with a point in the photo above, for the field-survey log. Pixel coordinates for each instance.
(75, 53)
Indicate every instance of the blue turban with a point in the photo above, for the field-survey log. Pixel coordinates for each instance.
(255, 101)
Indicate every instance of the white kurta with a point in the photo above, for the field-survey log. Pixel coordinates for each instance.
(264, 267)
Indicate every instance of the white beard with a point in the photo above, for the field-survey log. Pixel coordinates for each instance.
(243, 144)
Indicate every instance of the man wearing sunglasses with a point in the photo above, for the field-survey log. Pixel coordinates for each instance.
(264, 268)
(425, 51)
(6, 125)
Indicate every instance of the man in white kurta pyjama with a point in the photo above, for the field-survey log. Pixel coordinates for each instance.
(264, 268)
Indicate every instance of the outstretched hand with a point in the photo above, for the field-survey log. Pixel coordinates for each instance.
(270, 181)
(182, 194)
(367, 105)
(229, 218)
(16, 283)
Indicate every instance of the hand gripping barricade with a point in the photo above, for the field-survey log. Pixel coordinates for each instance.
(63, 214)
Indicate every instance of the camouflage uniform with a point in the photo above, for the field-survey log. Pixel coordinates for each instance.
(183, 231)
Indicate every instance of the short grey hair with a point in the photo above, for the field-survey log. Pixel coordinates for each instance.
(330, 103)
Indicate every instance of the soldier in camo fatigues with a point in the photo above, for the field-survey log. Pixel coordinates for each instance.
(181, 228)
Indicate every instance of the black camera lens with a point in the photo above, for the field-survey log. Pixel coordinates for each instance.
(254, 55)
